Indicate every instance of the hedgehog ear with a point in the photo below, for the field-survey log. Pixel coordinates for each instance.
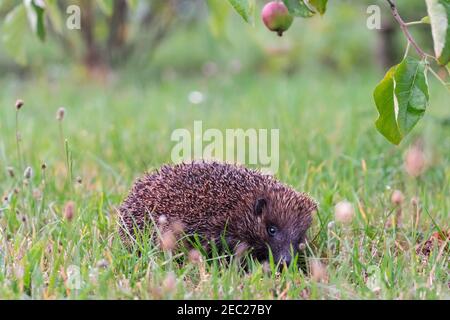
(260, 204)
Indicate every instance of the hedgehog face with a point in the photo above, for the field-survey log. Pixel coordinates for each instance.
(284, 223)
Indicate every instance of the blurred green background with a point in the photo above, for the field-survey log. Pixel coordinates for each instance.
(148, 40)
(127, 76)
(126, 79)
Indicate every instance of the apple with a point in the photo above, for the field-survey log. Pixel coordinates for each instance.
(276, 17)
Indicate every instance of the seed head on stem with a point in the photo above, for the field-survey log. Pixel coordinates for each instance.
(69, 210)
(318, 271)
(19, 104)
(397, 197)
(60, 114)
(28, 173)
(344, 212)
(169, 284)
(415, 161)
(10, 171)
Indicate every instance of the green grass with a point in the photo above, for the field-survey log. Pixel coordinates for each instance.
(116, 132)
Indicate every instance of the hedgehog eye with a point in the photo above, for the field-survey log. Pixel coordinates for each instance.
(272, 230)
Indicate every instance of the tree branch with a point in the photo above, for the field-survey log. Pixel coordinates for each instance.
(405, 30)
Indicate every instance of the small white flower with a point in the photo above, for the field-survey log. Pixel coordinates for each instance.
(162, 220)
(196, 97)
(102, 264)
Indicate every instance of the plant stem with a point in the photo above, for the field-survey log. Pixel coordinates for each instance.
(68, 163)
(405, 30)
(412, 23)
(61, 136)
(407, 50)
(19, 153)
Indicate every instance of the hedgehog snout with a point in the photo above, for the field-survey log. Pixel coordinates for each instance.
(285, 246)
(284, 256)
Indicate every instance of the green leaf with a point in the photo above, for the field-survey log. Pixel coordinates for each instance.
(54, 15)
(218, 16)
(13, 34)
(439, 13)
(401, 99)
(384, 100)
(411, 91)
(299, 8)
(36, 16)
(425, 19)
(39, 8)
(320, 5)
(245, 8)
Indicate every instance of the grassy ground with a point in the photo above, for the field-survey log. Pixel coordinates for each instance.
(328, 147)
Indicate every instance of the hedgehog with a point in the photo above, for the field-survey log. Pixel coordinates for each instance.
(220, 202)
